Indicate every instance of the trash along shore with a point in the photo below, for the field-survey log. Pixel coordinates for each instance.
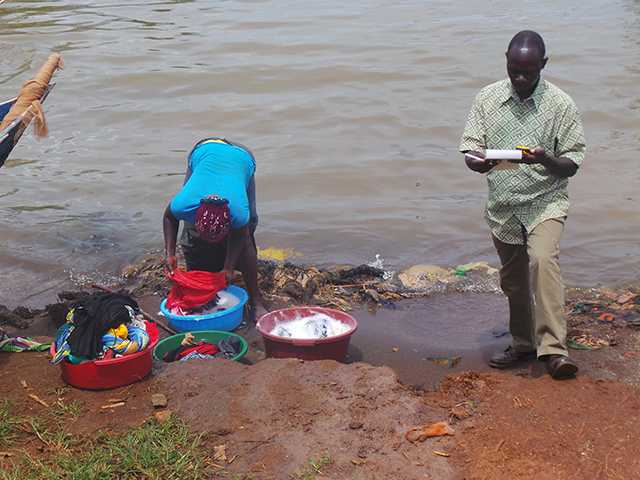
(268, 418)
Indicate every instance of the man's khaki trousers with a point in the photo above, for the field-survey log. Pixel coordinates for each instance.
(531, 279)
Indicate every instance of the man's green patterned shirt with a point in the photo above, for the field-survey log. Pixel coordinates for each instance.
(500, 120)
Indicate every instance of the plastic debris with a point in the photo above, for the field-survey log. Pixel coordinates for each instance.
(586, 342)
(277, 254)
(420, 434)
(462, 270)
(163, 416)
(448, 362)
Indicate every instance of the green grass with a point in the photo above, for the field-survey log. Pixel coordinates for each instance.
(67, 410)
(152, 452)
(313, 468)
(8, 424)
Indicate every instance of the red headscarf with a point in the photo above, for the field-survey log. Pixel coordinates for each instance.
(213, 219)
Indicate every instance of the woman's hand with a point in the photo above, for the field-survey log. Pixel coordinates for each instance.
(170, 263)
(229, 275)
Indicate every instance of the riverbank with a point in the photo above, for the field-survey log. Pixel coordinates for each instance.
(278, 419)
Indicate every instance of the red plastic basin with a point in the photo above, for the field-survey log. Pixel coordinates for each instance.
(331, 348)
(113, 372)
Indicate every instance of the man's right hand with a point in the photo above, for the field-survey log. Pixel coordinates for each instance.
(476, 162)
(170, 263)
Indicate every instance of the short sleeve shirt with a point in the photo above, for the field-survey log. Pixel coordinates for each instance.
(217, 168)
(529, 195)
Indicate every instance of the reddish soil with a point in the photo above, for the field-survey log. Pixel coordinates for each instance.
(543, 429)
(278, 415)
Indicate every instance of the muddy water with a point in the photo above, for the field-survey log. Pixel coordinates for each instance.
(354, 110)
(425, 340)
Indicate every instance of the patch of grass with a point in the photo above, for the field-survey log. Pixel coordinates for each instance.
(8, 423)
(59, 391)
(313, 468)
(152, 452)
(67, 410)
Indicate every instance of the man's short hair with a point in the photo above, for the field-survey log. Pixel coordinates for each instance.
(528, 39)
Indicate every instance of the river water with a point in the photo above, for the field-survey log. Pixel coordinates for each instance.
(353, 109)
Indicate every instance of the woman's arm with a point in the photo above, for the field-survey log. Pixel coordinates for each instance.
(170, 226)
(237, 242)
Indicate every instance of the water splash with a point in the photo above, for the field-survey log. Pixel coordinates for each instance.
(379, 263)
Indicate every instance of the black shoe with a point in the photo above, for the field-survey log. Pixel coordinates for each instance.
(510, 358)
(561, 367)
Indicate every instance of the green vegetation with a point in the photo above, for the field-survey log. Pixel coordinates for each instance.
(152, 451)
(8, 424)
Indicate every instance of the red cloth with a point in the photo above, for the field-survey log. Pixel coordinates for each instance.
(194, 288)
(203, 348)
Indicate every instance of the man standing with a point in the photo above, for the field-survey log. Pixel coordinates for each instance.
(527, 205)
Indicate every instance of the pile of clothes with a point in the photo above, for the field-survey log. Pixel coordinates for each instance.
(197, 292)
(189, 349)
(101, 326)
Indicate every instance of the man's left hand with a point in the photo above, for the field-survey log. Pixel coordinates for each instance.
(535, 156)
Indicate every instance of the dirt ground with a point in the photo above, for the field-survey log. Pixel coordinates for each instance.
(288, 419)
(537, 428)
(277, 417)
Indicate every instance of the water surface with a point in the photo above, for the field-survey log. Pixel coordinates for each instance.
(354, 111)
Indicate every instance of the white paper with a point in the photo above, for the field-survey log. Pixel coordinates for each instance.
(503, 154)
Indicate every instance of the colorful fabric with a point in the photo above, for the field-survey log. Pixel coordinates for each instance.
(217, 168)
(121, 340)
(196, 356)
(531, 194)
(63, 350)
(201, 348)
(194, 288)
(128, 340)
(227, 348)
(20, 344)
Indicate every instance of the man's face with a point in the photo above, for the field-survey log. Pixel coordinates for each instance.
(524, 66)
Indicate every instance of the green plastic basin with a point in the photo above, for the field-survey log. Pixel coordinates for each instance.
(213, 336)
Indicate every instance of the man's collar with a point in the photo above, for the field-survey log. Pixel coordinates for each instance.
(509, 92)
